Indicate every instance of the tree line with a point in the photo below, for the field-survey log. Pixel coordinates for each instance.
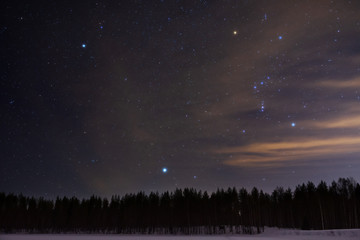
(188, 211)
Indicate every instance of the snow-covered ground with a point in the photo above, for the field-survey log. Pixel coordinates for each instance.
(269, 234)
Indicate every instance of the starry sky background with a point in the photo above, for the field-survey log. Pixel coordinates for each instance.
(97, 97)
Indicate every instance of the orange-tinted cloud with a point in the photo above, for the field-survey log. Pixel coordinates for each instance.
(342, 122)
(351, 83)
(280, 153)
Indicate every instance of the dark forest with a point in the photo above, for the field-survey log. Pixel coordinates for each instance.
(188, 211)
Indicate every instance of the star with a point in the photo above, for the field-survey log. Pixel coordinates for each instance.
(234, 32)
(164, 170)
(83, 45)
(293, 124)
(280, 37)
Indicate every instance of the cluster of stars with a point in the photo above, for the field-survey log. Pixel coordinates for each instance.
(257, 91)
(262, 108)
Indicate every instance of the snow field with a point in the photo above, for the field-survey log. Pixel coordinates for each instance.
(269, 234)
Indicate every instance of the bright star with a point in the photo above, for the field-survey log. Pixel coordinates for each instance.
(293, 124)
(234, 32)
(83, 45)
(164, 170)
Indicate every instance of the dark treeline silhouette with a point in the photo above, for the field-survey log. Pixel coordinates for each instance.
(189, 211)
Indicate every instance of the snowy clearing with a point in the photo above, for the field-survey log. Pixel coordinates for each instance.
(269, 234)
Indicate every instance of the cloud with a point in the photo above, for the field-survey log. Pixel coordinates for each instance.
(342, 122)
(273, 154)
(352, 83)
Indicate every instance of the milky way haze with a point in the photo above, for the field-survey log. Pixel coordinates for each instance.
(107, 97)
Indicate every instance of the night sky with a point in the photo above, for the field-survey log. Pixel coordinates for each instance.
(111, 97)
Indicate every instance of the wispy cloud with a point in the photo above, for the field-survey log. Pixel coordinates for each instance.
(280, 153)
(342, 122)
(350, 83)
